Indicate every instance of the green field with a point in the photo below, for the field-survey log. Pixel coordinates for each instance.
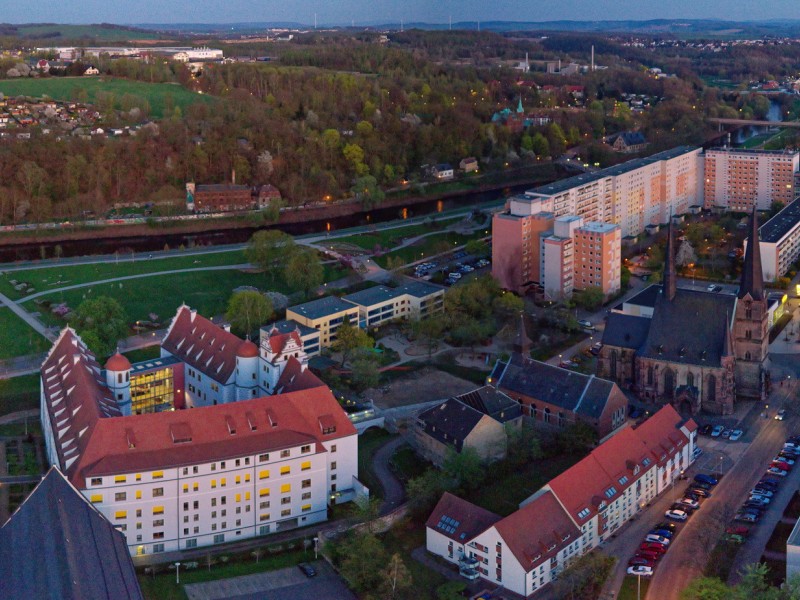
(19, 393)
(60, 276)
(206, 291)
(431, 245)
(65, 89)
(97, 32)
(388, 238)
(17, 338)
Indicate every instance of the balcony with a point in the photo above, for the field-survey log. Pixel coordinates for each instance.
(468, 562)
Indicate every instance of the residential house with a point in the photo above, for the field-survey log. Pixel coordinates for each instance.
(627, 142)
(92, 70)
(443, 171)
(468, 165)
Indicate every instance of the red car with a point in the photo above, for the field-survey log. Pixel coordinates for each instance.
(641, 562)
(653, 547)
(648, 555)
(738, 530)
(782, 465)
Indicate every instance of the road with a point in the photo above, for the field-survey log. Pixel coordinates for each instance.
(690, 551)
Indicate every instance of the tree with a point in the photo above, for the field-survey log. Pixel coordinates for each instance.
(349, 339)
(685, 255)
(368, 509)
(584, 578)
(101, 322)
(424, 492)
(367, 191)
(508, 305)
(266, 249)
(429, 331)
(465, 469)
(304, 271)
(655, 257)
(364, 558)
(365, 373)
(248, 310)
(706, 588)
(524, 444)
(591, 298)
(476, 248)
(577, 437)
(540, 145)
(396, 577)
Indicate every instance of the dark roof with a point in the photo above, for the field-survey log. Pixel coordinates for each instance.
(57, 545)
(444, 167)
(371, 296)
(626, 331)
(323, 307)
(492, 402)
(752, 275)
(631, 138)
(690, 328)
(583, 394)
(647, 297)
(450, 422)
(460, 520)
(288, 325)
(778, 226)
(222, 187)
(626, 167)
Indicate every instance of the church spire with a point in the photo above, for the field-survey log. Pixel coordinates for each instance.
(670, 278)
(519, 105)
(752, 276)
(727, 344)
(522, 344)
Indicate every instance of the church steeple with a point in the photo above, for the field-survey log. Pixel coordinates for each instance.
(752, 276)
(670, 277)
(522, 344)
(520, 110)
(727, 344)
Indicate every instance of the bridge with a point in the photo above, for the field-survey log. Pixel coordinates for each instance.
(753, 122)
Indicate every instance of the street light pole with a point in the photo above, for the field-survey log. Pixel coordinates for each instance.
(316, 547)
(639, 588)
(177, 573)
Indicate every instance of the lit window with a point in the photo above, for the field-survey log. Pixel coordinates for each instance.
(247, 497)
(262, 493)
(158, 510)
(238, 497)
(158, 475)
(120, 479)
(306, 507)
(121, 514)
(138, 494)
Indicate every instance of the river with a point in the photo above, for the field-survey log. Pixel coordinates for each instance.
(749, 131)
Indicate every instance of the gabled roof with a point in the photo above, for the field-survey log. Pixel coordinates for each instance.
(278, 341)
(202, 345)
(57, 545)
(583, 394)
(450, 422)
(295, 378)
(492, 402)
(630, 138)
(459, 520)
(662, 433)
(537, 531)
(206, 434)
(76, 397)
(626, 331)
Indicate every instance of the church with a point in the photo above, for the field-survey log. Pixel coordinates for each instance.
(695, 349)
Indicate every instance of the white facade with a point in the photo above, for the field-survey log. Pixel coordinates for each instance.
(734, 176)
(793, 552)
(780, 242)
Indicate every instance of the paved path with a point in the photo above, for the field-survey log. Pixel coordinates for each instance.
(20, 478)
(27, 317)
(393, 491)
(19, 416)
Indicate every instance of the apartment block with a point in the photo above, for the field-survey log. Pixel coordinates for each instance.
(557, 258)
(598, 257)
(571, 515)
(737, 179)
(325, 315)
(780, 241)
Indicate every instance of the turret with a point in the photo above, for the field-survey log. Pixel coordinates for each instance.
(118, 380)
(246, 371)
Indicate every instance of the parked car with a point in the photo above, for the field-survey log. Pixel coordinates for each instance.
(717, 431)
(696, 453)
(736, 434)
(732, 537)
(585, 324)
(641, 571)
(726, 433)
(676, 514)
(694, 504)
(756, 503)
(596, 347)
(780, 415)
(649, 555)
(701, 485)
(641, 561)
(667, 526)
(785, 459)
(777, 471)
(698, 492)
(656, 539)
(663, 533)
(711, 287)
(780, 464)
(746, 517)
(702, 478)
(684, 507)
(759, 498)
(789, 454)
(738, 530)
(648, 547)
(688, 495)
(766, 492)
(307, 569)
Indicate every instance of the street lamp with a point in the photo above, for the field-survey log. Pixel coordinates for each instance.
(177, 573)
(316, 547)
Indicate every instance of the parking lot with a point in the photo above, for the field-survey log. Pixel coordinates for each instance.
(275, 585)
(453, 268)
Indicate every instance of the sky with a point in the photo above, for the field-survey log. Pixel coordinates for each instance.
(370, 11)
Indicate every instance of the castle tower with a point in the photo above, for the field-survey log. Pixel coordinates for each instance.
(751, 327)
(247, 371)
(118, 380)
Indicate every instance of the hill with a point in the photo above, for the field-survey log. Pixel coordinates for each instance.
(57, 33)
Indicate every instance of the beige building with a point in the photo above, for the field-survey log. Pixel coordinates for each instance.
(736, 179)
(326, 315)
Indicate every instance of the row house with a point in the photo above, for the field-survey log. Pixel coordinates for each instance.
(571, 514)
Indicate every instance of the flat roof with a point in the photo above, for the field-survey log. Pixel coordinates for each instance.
(155, 363)
(598, 227)
(323, 307)
(751, 151)
(382, 293)
(631, 165)
(778, 226)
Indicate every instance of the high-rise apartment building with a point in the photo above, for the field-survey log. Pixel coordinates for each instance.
(598, 257)
(737, 179)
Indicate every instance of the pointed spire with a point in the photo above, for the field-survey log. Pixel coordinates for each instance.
(727, 344)
(669, 283)
(522, 343)
(519, 105)
(752, 276)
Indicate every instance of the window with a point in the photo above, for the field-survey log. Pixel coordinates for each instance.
(158, 547)
(158, 510)
(213, 502)
(286, 470)
(191, 543)
(306, 507)
(160, 523)
(247, 497)
(286, 513)
(138, 512)
(158, 475)
(306, 496)
(264, 474)
(195, 486)
(219, 538)
(333, 447)
(263, 493)
(120, 497)
(238, 479)
(96, 498)
(121, 514)
(333, 477)
(286, 488)
(213, 484)
(158, 492)
(238, 497)
(305, 466)
(185, 488)
(263, 457)
(97, 481)
(286, 500)
(305, 449)
(263, 505)
(286, 453)
(333, 466)
(120, 479)
(223, 482)
(306, 483)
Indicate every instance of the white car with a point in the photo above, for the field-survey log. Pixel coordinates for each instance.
(717, 431)
(759, 498)
(761, 492)
(690, 503)
(697, 452)
(735, 435)
(640, 570)
(658, 539)
(676, 515)
(454, 275)
(780, 415)
(776, 471)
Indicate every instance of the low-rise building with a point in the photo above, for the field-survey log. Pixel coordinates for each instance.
(780, 241)
(308, 335)
(627, 142)
(476, 420)
(468, 165)
(443, 171)
(572, 514)
(218, 197)
(325, 315)
(380, 304)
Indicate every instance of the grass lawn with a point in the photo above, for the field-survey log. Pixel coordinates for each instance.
(17, 338)
(65, 89)
(34, 427)
(630, 588)
(163, 586)
(503, 489)
(431, 245)
(402, 540)
(19, 393)
(368, 444)
(407, 465)
(59, 276)
(389, 238)
(207, 291)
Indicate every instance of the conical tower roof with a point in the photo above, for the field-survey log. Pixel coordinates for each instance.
(752, 276)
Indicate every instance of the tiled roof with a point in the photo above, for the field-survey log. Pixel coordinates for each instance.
(492, 402)
(536, 532)
(277, 340)
(450, 422)
(661, 432)
(460, 520)
(647, 297)
(295, 378)
(583, 394)
(289, 326)
(57, 545)
(202, 345)
(185, 437)
(75, 396)
(626, 331)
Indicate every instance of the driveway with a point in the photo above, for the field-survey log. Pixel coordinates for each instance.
(393, 491)
(275, 585)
